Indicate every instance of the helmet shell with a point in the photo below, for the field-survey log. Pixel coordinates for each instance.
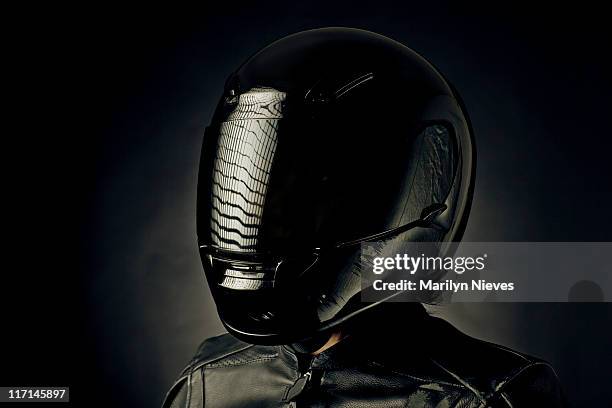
(324, 137)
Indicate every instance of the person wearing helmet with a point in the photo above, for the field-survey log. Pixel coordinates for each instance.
(322, 141)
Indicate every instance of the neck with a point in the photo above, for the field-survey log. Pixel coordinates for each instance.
(335, 338)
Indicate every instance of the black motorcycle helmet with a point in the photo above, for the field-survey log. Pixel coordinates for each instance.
(321, 141)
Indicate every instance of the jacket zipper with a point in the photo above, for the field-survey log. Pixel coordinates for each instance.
(300, 384)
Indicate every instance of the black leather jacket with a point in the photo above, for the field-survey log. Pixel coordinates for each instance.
(422, 362)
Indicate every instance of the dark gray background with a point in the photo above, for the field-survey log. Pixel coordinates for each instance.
(108, 294)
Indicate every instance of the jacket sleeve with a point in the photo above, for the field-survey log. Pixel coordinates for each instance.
(536, 385)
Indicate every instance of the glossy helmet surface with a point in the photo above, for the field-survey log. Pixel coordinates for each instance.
(322, 140)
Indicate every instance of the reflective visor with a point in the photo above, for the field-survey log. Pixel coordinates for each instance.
(240, 180)
(236, 209)
(273, 184)
(244, 150)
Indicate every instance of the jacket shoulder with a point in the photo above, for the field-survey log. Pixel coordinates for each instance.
(219, 351)
(491, 374)
(536, 385)
(215, 349)
(497, 374)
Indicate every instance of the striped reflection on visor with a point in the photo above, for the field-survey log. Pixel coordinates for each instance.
(245, 151)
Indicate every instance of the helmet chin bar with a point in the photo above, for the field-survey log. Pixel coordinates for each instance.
(264, 287)
(255, 271)
(246, 275)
